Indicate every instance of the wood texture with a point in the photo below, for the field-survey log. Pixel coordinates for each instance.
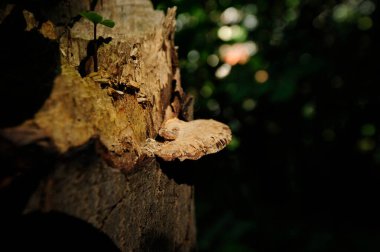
(141, 211)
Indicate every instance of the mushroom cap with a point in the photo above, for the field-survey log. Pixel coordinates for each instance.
(191, 140)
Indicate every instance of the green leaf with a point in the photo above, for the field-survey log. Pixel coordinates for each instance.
(107, 22)
(92, 16)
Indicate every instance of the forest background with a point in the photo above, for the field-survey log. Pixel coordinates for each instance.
(298, 83)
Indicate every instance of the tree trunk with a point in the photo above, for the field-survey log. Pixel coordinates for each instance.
(84, 144)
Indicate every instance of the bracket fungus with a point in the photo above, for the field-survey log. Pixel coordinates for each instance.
(190, 140)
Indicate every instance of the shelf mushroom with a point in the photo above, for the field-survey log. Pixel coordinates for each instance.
(190, 140)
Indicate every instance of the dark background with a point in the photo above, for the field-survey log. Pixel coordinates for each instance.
(303, 170)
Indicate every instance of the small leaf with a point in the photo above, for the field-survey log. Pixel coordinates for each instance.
(109, 23)
(92, 16)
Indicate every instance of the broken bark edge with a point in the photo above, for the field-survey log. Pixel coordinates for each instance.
(189, 140)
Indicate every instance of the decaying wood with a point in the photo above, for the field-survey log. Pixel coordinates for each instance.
(97, 130)
(78, 109)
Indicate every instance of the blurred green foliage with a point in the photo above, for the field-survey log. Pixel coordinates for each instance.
(298, 83)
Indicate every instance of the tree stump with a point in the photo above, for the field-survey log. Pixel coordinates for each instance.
(93, 160)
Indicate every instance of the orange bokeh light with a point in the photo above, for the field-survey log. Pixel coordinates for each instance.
(261, 76)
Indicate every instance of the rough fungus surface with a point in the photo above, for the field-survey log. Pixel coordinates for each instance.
(190, 140)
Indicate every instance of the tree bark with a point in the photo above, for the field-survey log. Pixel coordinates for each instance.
(93, 129)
